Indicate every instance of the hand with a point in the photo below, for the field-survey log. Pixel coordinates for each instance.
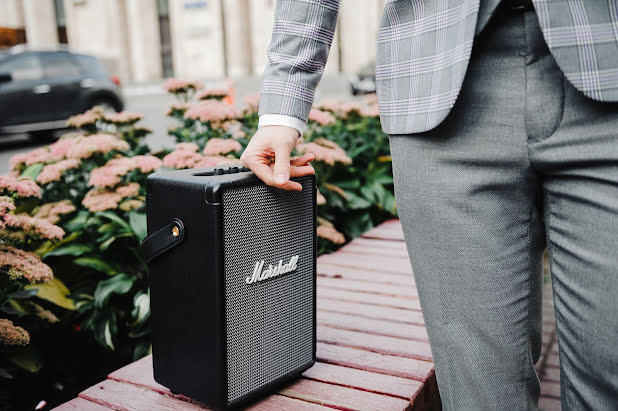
(277, 142)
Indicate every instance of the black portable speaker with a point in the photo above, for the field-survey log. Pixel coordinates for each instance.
(232, 282)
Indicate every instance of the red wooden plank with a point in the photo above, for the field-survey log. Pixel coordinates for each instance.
(376, 362)
(364, 380)
(280, 402)
(365, 287)
(382, 248)
(342, 397)
(335, 271)
(550, 389)
(366, 298)
(80, 404)
(368, 262)
(373, 242)
(139, 373)
(390, 230)
(553, 360)
(549, 404)
(376, 343)
(371, 311)
(130, 397)
(551, 374)
(366, 325)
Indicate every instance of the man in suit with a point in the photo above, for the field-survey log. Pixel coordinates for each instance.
(503, 126)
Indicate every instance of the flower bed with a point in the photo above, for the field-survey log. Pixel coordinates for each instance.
(74, 286)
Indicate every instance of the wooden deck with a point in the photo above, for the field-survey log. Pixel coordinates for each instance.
(372, 345)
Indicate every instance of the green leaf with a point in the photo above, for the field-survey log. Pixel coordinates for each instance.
(118, 284)
(137, 221)
(115, 218)
(28, 360)
(96, 264)
(48, 246)
(32, 171)
(141, 309)
(22, 294)
(356, 202)
(70, 249)
(53, 291)
(78, 222)
(108, 336)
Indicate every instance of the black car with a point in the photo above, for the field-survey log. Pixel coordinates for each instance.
(41, 89)
(364, 81)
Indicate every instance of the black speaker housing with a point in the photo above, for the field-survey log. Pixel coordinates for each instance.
(185, 253)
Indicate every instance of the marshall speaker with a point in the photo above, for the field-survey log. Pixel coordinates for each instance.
(232, 282)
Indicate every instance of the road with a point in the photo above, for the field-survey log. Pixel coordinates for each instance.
(152, 102)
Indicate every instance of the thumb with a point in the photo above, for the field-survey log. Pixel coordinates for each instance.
(282, 164)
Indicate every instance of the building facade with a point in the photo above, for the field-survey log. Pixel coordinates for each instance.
(144, 41)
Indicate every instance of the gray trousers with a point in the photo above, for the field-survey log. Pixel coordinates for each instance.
(523, 161)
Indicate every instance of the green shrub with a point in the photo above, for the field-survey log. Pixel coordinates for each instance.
(72, 215)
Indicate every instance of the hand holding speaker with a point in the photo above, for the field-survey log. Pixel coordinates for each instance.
(276, 142)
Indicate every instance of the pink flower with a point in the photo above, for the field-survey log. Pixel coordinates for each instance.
(59, 147)
(331, 234)
(105, 199)
(85, 146)
(100, 200)
(211, 111)
(24, 264)
(252, 103)
(177, 108)
(215, 161)
(234, 129)
(88, 118)
(184, 156)
(53, 172)
(12, 335)
(6, 205)
(23, 188)
(38, 155)
(38, 226)
(329, 105)
(220, 146)
(188, 147)
(52, 211)
(371, 110)
(323, 118)
(325, 150)
(176, 85)
(212, 93)
(112, 172)
(128, 190)
(371, 98)
(123, 118)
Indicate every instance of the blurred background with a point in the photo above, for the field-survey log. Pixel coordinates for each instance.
(117, 53)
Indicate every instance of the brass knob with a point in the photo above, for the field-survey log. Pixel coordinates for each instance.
(175, 231)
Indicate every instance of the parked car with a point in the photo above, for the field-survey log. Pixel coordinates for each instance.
(364, 82)
(41, 89)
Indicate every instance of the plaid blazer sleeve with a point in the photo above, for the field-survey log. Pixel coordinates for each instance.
(301, 38)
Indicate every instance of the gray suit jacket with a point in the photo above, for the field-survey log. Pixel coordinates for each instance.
(423, 51)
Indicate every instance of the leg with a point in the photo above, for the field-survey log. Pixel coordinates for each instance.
(580, 167)
(467, 197)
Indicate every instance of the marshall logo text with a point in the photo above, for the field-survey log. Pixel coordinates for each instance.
(271, 271)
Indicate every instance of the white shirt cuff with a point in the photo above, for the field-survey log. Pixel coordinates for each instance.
(282, 120)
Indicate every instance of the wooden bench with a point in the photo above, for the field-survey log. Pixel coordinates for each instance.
(372, 347)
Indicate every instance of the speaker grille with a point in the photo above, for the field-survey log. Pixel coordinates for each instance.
(269, 324)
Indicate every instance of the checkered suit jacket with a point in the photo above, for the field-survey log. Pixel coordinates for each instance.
(423, 51)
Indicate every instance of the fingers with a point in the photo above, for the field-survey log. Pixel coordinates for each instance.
(302, 160)
(282, 164)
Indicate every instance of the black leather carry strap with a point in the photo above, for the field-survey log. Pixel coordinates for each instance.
(163, 239)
